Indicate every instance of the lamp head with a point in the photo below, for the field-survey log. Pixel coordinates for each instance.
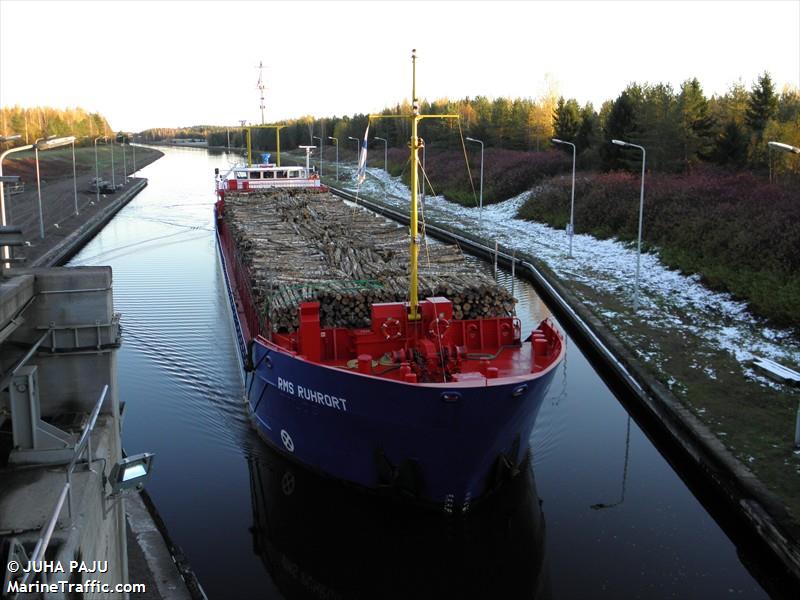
(784, 147)
(54, 142)
(131, 472)
(619, 142)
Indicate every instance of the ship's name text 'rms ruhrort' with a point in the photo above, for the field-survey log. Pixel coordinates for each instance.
(312, 395)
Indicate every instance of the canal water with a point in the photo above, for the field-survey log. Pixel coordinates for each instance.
(600, 513)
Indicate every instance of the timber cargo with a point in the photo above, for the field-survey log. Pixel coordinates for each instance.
(299, 246)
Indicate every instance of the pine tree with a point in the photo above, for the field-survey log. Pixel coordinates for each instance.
(589, 129)
(762, 105)
(566, 120)
(731, 147)
(658, 126)
(620, 124)
(697, 123)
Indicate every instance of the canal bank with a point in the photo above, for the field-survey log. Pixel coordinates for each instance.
(760, 509)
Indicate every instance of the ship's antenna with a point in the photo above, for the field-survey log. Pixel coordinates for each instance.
(261, 87)
(416, 143)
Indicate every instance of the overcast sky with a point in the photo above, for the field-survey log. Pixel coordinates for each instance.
(150, 64)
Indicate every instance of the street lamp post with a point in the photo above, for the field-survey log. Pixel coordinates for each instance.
(316, 137)
(47, 144)
(113, 181)
(39, 183)
(358, 145)
(572, 201)
(385, 153)
(641, 212)
(124, 164)
(385, 159)
(337, 155)
(9, 138)
(97, 168)
(480, 209)
(780, 146)
(74, 178)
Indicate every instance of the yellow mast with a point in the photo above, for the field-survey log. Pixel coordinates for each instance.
(277, 129)
(413, 244)
(413, 229)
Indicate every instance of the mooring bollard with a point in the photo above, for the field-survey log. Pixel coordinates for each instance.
(495, 261)
(513, 269)
(797, 430)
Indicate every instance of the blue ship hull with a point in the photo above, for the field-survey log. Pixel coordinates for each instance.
(442, 443)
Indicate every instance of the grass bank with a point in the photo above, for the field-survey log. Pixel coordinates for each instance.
(740, 233)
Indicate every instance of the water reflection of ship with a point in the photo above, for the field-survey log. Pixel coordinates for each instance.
(319, 538)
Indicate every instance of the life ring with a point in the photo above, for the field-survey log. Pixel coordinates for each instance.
(439, 327)
(391, 328)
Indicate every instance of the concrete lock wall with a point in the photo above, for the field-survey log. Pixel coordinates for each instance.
(72, 378)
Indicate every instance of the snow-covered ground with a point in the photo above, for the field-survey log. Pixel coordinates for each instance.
(667, 300)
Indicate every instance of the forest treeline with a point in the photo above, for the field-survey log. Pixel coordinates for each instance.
(43, 121)
(681, 128)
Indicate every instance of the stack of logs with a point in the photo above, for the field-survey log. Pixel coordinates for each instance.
(302, 246)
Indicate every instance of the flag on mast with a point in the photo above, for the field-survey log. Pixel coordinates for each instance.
(361, 173)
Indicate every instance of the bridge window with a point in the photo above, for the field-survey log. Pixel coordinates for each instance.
(255, 174)
(241, 174)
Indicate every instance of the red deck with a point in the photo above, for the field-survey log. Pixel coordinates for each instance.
(435, 349)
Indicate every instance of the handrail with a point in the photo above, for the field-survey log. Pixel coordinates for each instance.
(88, 428)
(85, 441)
(46, 533)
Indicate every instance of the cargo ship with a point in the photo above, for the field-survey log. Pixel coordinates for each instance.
(415, 399)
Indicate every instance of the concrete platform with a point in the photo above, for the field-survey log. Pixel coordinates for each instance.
(149, 559)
